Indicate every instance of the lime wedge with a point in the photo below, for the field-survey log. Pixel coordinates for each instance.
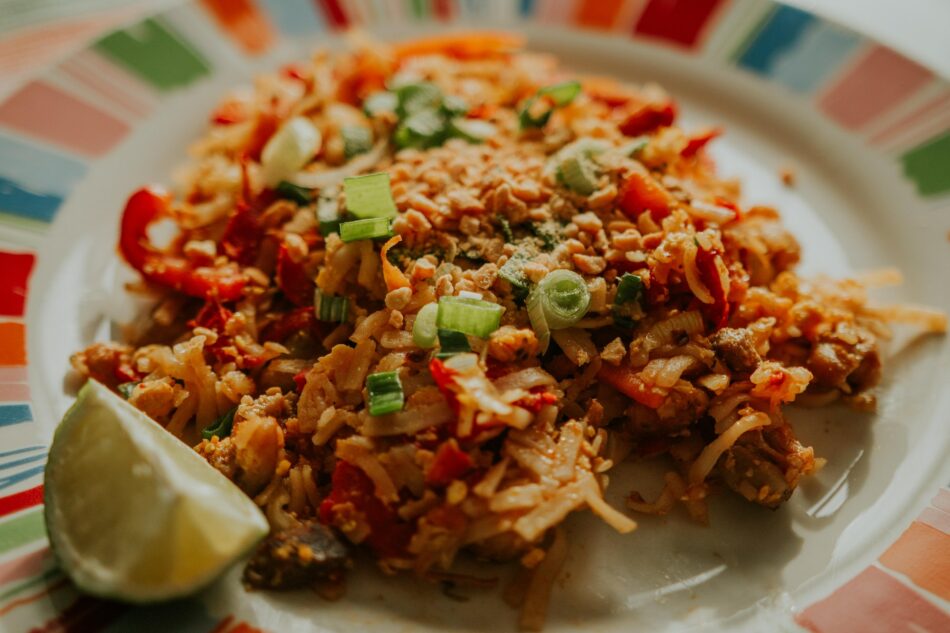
(134, 514)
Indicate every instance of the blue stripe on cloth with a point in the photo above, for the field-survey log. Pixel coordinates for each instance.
(20, 451)
(22, 461)
(780, 32)
(820, 51)
(296, 17)
(34, 181)
(11, 414)
(9, 480)
(527, 7)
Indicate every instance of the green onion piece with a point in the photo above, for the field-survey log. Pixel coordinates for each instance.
(422, 129)
(564, 298)
(472, 130)
(578, 173)
(126, 389)
(221, 427)
(505, 228)
(385, 393)
(424, 329)
(329, 307)
(290, 191)
(469, 316)
(357, 139)
(513, 273)
(562, 93)
(378, 102)
(367, 229)
(452, 343)
(416, 97)
(530, 117)
(369, 196)
(328, 215)
(627, 301)
(454, 106)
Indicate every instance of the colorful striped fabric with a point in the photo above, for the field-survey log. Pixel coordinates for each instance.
(52, 129)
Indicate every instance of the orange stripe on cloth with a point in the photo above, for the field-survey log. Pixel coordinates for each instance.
(874, 602)
(12, 344)
(598, 15)
(922, 553)
(244, 22)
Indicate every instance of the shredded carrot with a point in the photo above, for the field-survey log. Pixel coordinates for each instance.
(394, 277)
(473, 45)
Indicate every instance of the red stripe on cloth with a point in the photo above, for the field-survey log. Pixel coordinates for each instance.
(880, 81)
(442, 9)
(50, 114)
(678, 21)
(934, 106)
(21, 500)
(16, 269)
(17, 392)
(873, 602)
(922, 553)
(334, 13)
(27, 566)
(598, 15)
(244, 22)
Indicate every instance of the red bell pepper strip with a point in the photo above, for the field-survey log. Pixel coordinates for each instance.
(716, 312)
(648, 117)
(626, 380)
(699, 140)
(293, 280)
(640, 192)
(297, 320)
(144, 207)
(229, 113)
(450, 463)
(442, 376)
(351, 489)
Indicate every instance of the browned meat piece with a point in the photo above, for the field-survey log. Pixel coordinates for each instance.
(736, 349)
(682, 407)
(105, 362)
(221, 454)
(297, 558)
(835, 363)
(765, 467)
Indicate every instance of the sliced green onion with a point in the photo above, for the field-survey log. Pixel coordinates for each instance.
(513, 273)
(539, 323)
(578, 173)
(369, 196)
(329, 307)
(562, 93)
(472, 130)
(290, 191)
(452, 343)
(422, 129)
(378, 102)
(564, 297)
(627, 301)
(328, 215)
(221, 427)
(469, 316)
(529, 117)
(454, 106)
(289, 149)
(357, 139)
(416, 97)
(424, 329)
(367, 229)
(385, 393)
(126, 389)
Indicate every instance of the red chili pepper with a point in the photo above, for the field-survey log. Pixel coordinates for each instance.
(144, 207)
(300, 379)
(716, 312)
(297, 320)
(442, 376)
(229, 113)
(535, 401)
(641, 192)
(293, 280)
(125, 373)
(299, 72)
(729, 204)
(649, 116)
(267, 124)
(242, 235)
(699, 140)
(450, 463)
(626, 380)
(389, 536)
(212, 316)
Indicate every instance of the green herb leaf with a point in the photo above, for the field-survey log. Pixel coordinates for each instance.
(221, 427)
(296, 193)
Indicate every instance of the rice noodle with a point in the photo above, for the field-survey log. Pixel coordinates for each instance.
(928, 319)
(358, 451)
(334, 177)
(525, 379)
(406, 422)
(711, 453)
(692, 275)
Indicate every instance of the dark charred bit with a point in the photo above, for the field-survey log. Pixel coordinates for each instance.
(297, 557)
(736, 349)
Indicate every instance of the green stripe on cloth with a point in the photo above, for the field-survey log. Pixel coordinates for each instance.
(928, 165)
(419, 9)
(27, 224)
(22, 529)
(155, 53)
